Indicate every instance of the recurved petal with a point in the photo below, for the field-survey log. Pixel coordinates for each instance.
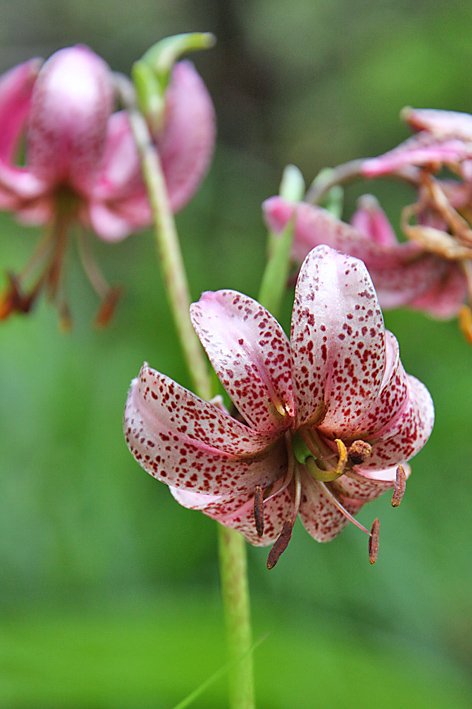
(366, 486)
(319, 515)
(440, 123)
(250, 354)
(238, 513)
(407, 432)
(371, 220)
(446, 295)
(187, 141)
(421, 149)
(401, 272)
(16, 87)
(190, 443)
(71, 102)
(338, 341)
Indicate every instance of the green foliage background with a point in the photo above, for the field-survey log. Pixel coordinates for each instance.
(109, 590)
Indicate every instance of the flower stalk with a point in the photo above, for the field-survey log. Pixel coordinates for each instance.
(170, 256)
(232, 546)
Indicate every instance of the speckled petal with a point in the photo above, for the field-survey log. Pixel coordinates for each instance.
(354, 486)
(238, 513)
(402, 437)
(320, 517)
(187, 442)
(390, 399)
(250, 354)
(338, 340)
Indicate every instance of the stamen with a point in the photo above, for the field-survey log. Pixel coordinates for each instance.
(359, 451)
(400, 486)
(374, 541)
(107, 308)
(342, 456)
(259, 510)
(336, 502)
(280, 545)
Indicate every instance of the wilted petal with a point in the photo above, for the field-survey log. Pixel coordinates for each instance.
(238, 513)
(319, 515)
(338, 341)
(250, 354)
(187, 140)
(187, 442)
(71, 102)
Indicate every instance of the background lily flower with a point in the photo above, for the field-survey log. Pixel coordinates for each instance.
(81, 162)
(404, 274)
(327, 417)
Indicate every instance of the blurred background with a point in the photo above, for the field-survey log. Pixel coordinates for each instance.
(109, 590)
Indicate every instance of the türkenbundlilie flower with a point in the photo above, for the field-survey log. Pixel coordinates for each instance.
(404, 273)
(81, 165)
(326, 421)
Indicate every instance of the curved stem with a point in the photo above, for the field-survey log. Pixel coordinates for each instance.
(349, 171)
(235, 592)
(170, 256)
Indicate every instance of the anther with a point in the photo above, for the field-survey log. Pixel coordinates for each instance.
(342, 456)
(400, 486)
(280, 545)
(358, 452)
(108, 306)
(259, 510)
(374, 541)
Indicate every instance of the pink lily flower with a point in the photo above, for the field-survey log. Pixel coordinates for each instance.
(82, 165)
(404, 274)
(326, 421)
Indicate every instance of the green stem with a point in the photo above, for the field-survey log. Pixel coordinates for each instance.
(232, 546)
(235, 592)
(170, 256)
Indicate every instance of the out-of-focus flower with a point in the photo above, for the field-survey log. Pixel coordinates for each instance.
(328, 418)
(403, 273)
(81, 165)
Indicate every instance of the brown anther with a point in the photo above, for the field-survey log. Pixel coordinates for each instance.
(11, 300)
(465, 322)
(107, 308)
(358, 452)
(280, 545)
(259, 510)
(400, 486)
(374, 541)
(65, 318)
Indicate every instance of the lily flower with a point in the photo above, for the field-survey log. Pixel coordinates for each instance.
(404, 274)
(326, 421)
(81, 165)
